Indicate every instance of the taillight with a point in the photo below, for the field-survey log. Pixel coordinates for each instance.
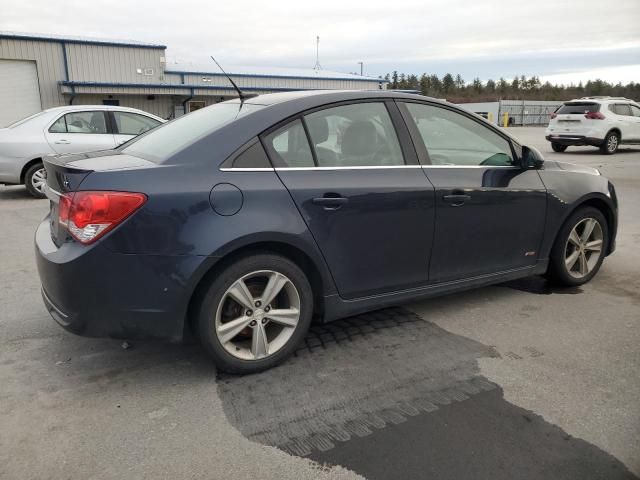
(554, 115)
(594, 116)
(90, 215)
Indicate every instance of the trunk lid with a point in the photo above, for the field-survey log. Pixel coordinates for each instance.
(65, 174)
(570, 118)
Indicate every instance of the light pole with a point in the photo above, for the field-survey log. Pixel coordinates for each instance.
(361, 67)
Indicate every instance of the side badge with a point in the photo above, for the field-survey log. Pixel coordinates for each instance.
(529, 254)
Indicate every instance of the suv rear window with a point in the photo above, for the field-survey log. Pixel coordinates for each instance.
(578, 108)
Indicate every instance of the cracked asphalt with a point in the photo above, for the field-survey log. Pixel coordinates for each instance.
(517, 380)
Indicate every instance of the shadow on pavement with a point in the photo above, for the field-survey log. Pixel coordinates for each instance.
(390, 395)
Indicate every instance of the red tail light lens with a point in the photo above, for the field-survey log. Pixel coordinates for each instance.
(594, 116)
(554, 115)
(90, 215)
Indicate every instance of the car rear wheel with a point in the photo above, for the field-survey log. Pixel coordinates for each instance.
(610, 144)
(579, 248)
(255, 313)
(558, 148)
(35, 180)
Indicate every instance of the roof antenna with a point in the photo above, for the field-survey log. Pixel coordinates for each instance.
(317, 65)
(241, 95)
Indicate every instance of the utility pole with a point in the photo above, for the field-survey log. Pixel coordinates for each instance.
(317, 65)
(361, 68)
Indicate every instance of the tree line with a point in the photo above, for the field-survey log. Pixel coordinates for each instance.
(455, 89)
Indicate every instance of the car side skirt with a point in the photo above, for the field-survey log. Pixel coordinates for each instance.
(336, 307)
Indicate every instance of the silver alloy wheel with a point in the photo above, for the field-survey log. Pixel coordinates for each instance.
(257, 315)
(39, 179)
(612, 143)
(583, 248)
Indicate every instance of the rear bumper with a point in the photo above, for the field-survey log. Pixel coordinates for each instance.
(575, 140)
(92, 291)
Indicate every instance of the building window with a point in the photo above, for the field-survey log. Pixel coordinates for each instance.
(115, 103)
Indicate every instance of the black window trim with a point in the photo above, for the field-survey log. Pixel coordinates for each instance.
(421, 148)
(107, 123)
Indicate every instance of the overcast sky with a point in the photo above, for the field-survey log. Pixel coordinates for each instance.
(560, 40)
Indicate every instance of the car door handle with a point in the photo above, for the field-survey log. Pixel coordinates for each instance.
(62, 141)
(330, 202)
(456, 199)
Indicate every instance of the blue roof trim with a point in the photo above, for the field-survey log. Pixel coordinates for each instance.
(178, 86)
(106, 43)
(254, 75)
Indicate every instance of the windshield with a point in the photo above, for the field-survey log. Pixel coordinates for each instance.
(161, 143)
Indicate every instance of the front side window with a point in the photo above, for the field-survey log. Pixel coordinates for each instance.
(452, 138)
(80, 122)
(361, 134)
(133, 123)
(635, 110)
(289, 147)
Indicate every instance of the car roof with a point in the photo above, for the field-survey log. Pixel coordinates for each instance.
(329, 96)
(602, 99)
(74, 108)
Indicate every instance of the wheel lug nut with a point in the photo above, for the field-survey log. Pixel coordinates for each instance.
(258, 303)
(264, 320)
(249, 313)
(267, 308)
(253, 323)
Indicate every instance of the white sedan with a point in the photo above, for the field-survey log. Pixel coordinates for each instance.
(68, 129)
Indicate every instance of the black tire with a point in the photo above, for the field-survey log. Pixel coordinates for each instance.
(610, 144)
(558, 272)
(558, 148)
(206, 315)
(29, 180)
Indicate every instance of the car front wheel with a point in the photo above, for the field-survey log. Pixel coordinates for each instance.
(255, 313)
(579, 248)
(35, 180)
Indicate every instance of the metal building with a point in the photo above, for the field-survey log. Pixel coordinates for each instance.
(43, 71)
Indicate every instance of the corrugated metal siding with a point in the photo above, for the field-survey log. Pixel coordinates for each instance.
(160, 106)
(275, 82)
(49, 63)
(97, 63)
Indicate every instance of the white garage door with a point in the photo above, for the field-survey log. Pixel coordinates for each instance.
(19, 92)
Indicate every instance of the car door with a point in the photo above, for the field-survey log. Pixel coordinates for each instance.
(360, 190)
(127, 125)
(489, 212)
(625, 121)
(81, 131)
(634, 123)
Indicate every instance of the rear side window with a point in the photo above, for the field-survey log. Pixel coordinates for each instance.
(133, 124)
(80, 122)
(452, 138)
(288, 146)
(578, 108)
(252, 157)
(621, 109)
(360, 134)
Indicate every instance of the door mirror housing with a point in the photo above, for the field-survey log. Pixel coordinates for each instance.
(531, 158)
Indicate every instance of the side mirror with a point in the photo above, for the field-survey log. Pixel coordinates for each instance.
(531, 158)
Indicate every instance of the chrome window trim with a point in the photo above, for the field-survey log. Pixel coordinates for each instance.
(358, 167)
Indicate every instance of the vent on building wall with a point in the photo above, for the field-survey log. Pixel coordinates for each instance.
(148, 72)
(206, 79)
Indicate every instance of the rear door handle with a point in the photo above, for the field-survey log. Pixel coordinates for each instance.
(456, 199)
(330, 202)
(62, 142)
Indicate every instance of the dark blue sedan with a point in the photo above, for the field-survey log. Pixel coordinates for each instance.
(247, 220)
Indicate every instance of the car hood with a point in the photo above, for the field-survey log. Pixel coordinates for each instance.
(571, 167)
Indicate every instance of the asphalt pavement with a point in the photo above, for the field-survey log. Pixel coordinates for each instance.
(518, 380)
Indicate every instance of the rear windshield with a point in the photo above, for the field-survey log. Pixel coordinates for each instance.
(579, 108)
(162, 142)
(23, 120)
